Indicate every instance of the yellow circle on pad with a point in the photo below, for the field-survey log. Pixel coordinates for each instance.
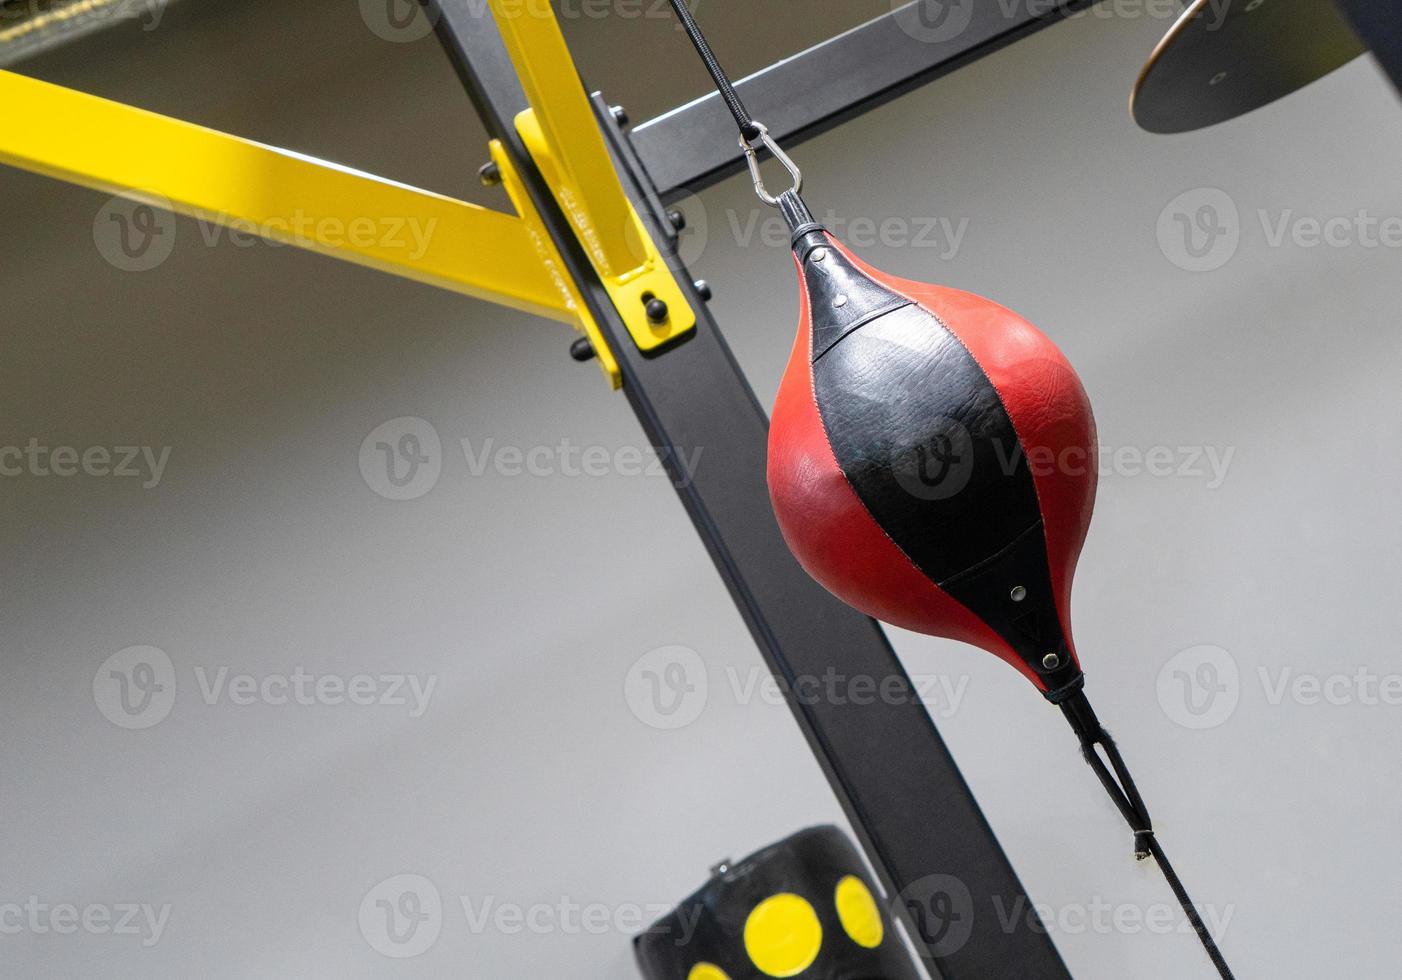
(783, 935)
(706, 971)
(857, 909)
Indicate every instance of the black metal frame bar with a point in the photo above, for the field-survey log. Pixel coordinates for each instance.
(909, 805)
(694, 146)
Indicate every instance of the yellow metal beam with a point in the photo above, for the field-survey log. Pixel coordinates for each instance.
(565, 120)
(551, 261)
(285, 196)
(563, 136)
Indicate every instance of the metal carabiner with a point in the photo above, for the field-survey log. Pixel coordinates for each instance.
(752, 158)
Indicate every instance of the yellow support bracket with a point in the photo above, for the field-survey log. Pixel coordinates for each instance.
(289, 197)
(562, 134)
(550, 259)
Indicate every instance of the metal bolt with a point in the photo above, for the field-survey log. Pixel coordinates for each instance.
(819, 254)
(840, 302)
(677, 218)
(1051, 661)
(656, 309)
(1019, 593)
(620, 114)
(489, 174)
(582, 350)
(703, 289)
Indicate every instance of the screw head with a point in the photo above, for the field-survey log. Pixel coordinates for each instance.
(703, 289)
(677, 218)
(1018, 593)
(819, 254)
(840, 302)
(1051, 661)
(582, 350)
(656, 310)
(489, 174)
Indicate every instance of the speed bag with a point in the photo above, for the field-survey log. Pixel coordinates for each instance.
(932, 459)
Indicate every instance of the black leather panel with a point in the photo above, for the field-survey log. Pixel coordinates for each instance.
(842, 297)
(923, 438)
(1030, 623)
(925, 441)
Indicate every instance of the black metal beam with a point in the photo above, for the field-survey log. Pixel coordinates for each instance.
(1379, 24)
(889, 768)
(694, 145)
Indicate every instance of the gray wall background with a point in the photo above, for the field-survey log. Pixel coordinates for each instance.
(533, 780)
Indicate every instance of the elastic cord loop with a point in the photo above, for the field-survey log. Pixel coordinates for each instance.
(1125, 795)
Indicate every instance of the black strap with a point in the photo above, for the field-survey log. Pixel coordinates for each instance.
(743, 119)
(1120, 785)
(796, 213)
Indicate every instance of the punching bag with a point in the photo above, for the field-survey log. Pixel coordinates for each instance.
(932, 459)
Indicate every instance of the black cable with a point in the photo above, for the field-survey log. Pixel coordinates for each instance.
(1120, 786)
(1208, 943)
(748, 128)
